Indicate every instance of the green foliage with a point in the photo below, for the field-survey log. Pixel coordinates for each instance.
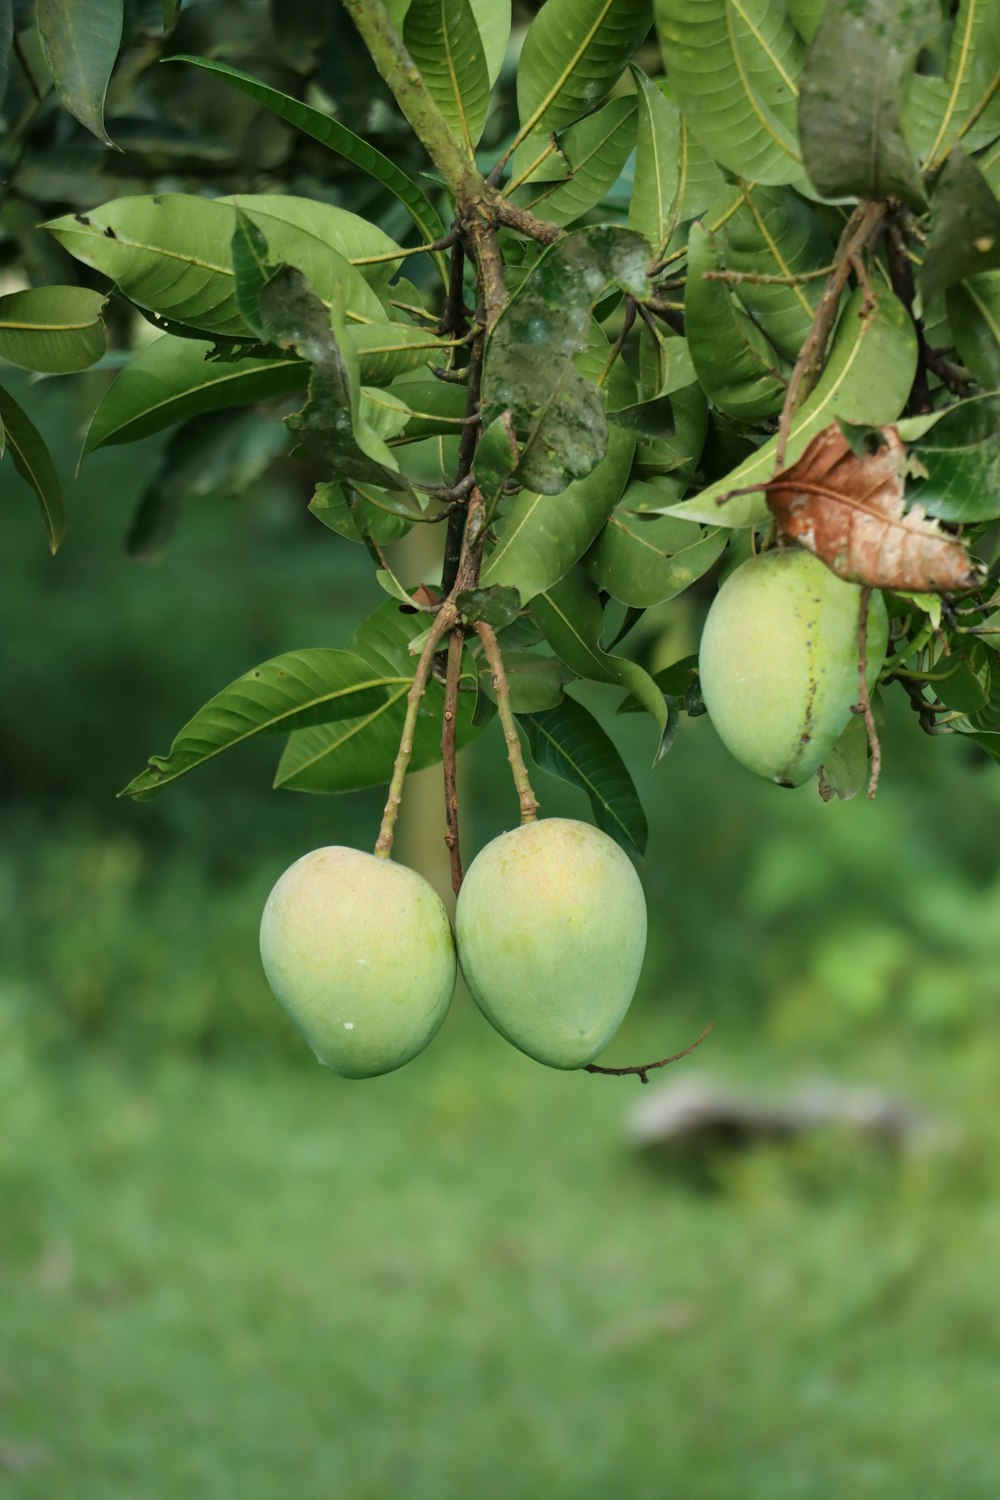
(80, 40)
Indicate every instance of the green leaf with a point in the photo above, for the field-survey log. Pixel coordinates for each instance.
(966, 685)
(568, 742)
(575, 50)
(775, 233)
(251, 268)
(734, 65)
(653, 208)
(437, 407)
(806, 15)
(172, 379)
(570, 614)
(356, 753)
(171, 253)
(965, 227)
(558, 417)
(338, 138)
(386, 350)
(80, 40)
(974, 317)
(853, 86)
(938, 111)
(495, 605)
(33, 462)
(845, 769)
(52, 329)
(361, 243)
(356, 513)
(644, 561)
(493, 19)
(593, 151)
(535, 682)
(737, 367)
(648, 419)
(961, 453)
(867, 378)
(291, 691)
(443, 39)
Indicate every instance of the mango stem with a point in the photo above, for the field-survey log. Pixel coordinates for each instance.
(519, 771)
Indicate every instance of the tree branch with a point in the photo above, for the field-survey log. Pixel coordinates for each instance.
(448, 757)
(641, 1070)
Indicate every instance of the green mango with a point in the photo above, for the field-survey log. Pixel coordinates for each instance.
(779, 662)
(551, 932)
(360, 953)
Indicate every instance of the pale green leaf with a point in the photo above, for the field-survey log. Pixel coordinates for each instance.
(52, 329)
(442, 37)
(575, 50)
(653, 209)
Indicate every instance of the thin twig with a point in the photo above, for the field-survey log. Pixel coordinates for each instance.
(455, 319)
(619, 344)
(642, 1070)
(521, 219)
(759, 278)
(443, 621)
(445, 243)
(519, 771)
(448, 726)
(864, 705)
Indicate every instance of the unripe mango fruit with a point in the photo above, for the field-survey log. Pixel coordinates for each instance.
(551, 932)
(779, 662)
(360, 953)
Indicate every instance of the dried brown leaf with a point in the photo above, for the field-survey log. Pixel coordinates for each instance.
(848, 509)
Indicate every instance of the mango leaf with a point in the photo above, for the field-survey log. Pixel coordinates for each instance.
(358, 512)
(775, 233)
(570, 614)
(493, 19)
(965, 227)
(853, 86)
(966, 686)
(965, 103)
(845, 770)
(251, 269)
(80, 40)
(356, 753)
(644, 561)
(699, 180)
(961, 454)
(592, 154)
(575, 50)
(339, 138)
(52, 329)
(362, 244)
(436, 407)
(289, 691)
(737, 367)
(568, 742)
(648, 419)
(172, 379)
(496, 605)
(654, 203)
(535, 682)
(867, 378)
(443, 39)
(386, 350)
(171, 253)
(558, 417)
(974, 318)
(33, 462)
(806, 16)
(734, 69)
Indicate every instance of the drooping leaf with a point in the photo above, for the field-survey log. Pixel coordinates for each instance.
(738, 369)
(775, 233)
(965, 227)
(845, 769)
(442, 37)
(171, 253)
(33, 462)
(558, 417)
(575, 50)
(653, 208)
(570, 614)
(568, 742)
(847, 508)
(80, 40)
(974, 318)
(291, 691)
(867, 378)
(339, 138)
(961, 455)
(356, 753)
(52, 329)
(172, 379)
(592, 154)
(964, 104)
(734, 66)
(644, 561)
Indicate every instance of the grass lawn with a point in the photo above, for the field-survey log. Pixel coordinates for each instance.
(457, 1282)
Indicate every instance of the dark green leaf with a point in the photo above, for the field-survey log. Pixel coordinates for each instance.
(974, 318)
(52, 329)
(737, 367)
(653, 207)
(647, 561)
(648, 419)
(961, 453)
(496, 606)
(568, 742)
(6, 41)
(355, 512)
(251, 269)
(775, 233)
(33, 462)
(80, 40)
(443, 39)
(965, 227)
(965, 685)
(535, 682)
(854, 83)
(964, 104)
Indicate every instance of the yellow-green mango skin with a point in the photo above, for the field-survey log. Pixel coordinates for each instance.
(551, 932)
(360, 953)
(779, 662)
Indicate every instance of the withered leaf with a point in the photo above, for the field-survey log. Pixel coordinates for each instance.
(847, 508)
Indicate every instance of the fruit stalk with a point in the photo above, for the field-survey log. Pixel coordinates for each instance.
(519, 771)
(451, 838)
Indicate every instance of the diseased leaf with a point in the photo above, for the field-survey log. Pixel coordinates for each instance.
(53, 329)
(847, 509)
(568, 742)
(290, 691)
(80, 40)
(33, 462)
(965, 227)
(575, 50)
(558, 417)
(854, 83)
(443, 39)
(961, 455)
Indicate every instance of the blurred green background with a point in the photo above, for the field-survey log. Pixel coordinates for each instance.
(226, 1273)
